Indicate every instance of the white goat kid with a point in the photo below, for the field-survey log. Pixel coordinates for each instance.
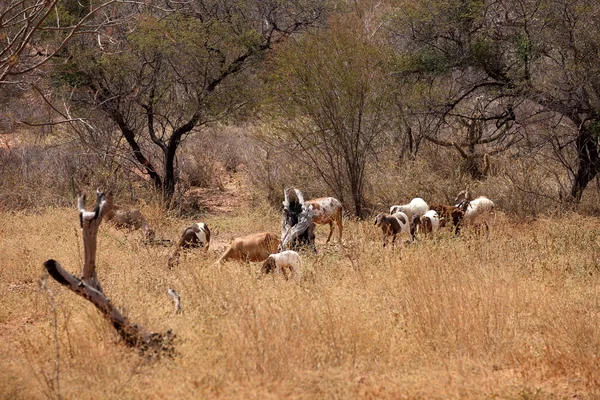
(280, 262)
(417, 206)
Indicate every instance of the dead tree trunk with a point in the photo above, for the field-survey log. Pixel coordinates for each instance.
(297, 226)
(589, 161)
(89, 287)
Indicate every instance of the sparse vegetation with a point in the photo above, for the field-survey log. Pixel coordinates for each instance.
(454, 318)
(205, 111)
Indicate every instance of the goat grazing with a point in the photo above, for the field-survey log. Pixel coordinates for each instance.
(197, 235)
(280, 262)
(129, 219)
(255, 247)
(417, 206)
(478, 211)
(449, 213)
(429, 223)
(327, 210)
(393, 225)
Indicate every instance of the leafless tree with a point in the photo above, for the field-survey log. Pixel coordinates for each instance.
(88, 286)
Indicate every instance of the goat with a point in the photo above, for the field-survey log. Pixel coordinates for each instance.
(327, 210)
(393, 225)
(417, 206)
(450, 213)
(255, 247)
(197, 235)
(429, 222)
(129, 219)
(279, 262)
(477, 211)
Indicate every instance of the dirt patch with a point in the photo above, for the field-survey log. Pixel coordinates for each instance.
(233, 195)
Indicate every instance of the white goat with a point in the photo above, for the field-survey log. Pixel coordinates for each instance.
(278, 263)
(478, 212)
(417, 206)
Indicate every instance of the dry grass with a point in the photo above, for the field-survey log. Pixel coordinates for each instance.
(517, 316)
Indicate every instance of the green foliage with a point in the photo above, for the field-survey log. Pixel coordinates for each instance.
(333, 97)
(68, 13)
(429, 61)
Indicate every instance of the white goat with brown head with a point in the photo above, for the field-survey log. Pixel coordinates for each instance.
(429, 223)
(287, 260)
(393, 225)
(197, 235)
(478, 211)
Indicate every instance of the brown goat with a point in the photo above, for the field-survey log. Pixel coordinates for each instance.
(129, 219)
(450, 213)
(255, 247)
(197, 235)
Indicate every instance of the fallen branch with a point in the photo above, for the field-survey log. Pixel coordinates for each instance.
(89, 287)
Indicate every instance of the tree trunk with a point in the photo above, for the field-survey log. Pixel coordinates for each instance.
(169, 180)
(357, 197)
(470, 164)
(589, 161)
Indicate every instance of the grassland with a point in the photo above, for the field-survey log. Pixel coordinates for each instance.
(513, 317)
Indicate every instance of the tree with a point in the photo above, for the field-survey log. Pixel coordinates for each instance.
(332, 98)
(26, 25)
(88, 286)
(473, 135)
(170, 72)
(545, 52)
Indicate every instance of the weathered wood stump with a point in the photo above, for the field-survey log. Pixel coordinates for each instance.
(297, 228)
(88, 286)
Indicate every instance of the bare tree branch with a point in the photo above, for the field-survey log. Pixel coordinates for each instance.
(89, 287)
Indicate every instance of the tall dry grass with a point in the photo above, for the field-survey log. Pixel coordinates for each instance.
(516, 316)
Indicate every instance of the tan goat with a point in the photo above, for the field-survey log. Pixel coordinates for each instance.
(130, 219)
(255, 247)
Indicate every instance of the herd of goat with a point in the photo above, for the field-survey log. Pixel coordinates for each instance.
(299, 219)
